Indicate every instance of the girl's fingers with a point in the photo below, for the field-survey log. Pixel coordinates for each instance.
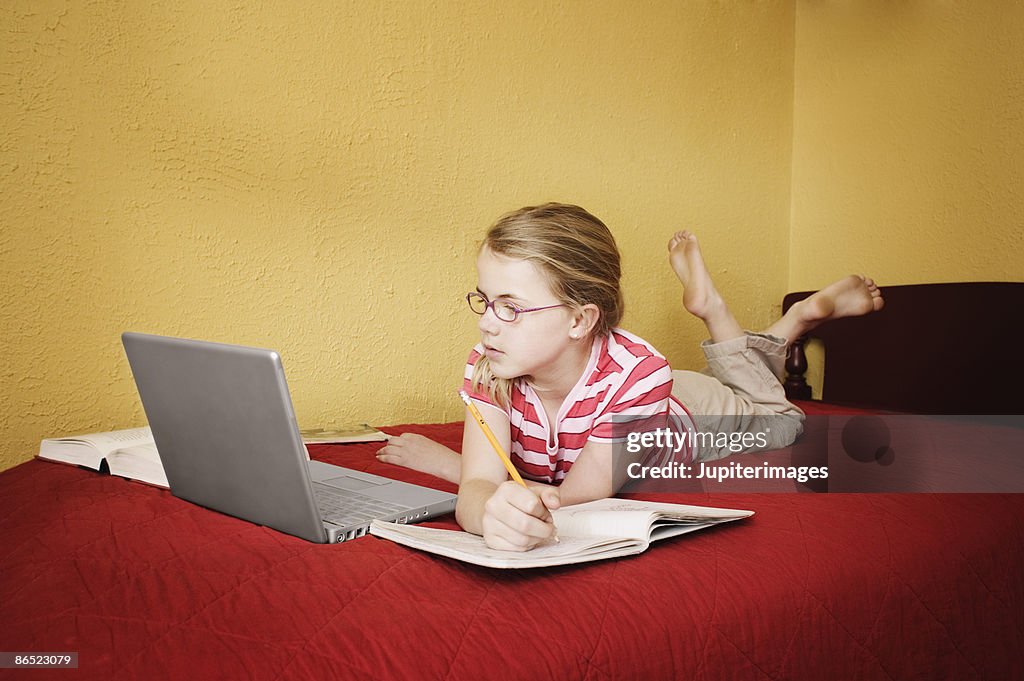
(518, 516)
(499, 535)
(526, 501)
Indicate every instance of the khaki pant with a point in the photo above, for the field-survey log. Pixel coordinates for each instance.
(740, 392)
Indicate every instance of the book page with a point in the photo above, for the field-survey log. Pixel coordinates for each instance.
(108, 442)
(575, 521)
(664, 530)
(634, 519)
(139, 462)
(360, 433)
(682, 511)
(91, 448)
(471, 548)
(592, 531)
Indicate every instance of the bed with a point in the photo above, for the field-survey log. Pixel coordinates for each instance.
(856, 586)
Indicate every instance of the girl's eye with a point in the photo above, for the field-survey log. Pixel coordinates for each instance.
(505, 309)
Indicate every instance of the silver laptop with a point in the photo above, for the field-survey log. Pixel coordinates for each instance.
(223, 423)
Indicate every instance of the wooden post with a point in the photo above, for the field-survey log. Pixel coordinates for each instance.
(796, 370)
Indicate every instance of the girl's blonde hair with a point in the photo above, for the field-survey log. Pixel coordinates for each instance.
(576, 252)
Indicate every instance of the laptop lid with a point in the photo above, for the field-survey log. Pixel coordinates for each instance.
(224, 425)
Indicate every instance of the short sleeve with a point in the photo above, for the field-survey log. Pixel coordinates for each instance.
(644, 394)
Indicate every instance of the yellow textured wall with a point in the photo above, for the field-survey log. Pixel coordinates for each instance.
(908, 142)
(908, 152)
(314, 177)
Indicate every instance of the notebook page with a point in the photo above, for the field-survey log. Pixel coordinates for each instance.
(472, 548)
(632, 518)
(578, 522)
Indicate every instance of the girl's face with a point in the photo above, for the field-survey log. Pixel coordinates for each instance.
(534, 343)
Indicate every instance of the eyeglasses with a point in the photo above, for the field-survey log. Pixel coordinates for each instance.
(503, 309)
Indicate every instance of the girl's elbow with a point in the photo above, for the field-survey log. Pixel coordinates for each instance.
(460, 512)
(469, 505)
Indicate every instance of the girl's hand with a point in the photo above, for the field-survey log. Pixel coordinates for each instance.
(421, 454)
(517, 519)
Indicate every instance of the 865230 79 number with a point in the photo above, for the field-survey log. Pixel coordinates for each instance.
(24, 660)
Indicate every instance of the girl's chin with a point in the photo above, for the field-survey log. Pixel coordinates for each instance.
(508, 375)
(504, 372)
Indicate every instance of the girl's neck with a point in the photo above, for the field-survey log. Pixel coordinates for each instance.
(556, 384)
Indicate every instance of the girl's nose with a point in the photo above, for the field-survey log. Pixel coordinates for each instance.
(489, 323)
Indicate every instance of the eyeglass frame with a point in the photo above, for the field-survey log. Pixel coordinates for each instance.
(516, 310)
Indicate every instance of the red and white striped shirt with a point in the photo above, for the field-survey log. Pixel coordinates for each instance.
(625, 379)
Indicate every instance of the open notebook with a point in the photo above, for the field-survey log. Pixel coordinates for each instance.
(596, 530)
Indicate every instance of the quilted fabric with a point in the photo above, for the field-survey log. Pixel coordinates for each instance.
(144, 585)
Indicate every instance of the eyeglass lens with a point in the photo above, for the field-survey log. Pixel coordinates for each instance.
(503, 310)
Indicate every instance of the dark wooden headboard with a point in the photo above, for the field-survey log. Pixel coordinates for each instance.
(933, 349)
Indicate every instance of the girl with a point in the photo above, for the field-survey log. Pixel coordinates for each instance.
(552, 370)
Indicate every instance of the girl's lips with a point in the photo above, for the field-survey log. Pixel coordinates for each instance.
(491, 352)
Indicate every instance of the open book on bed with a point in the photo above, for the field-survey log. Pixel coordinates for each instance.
(129, 453)
(132, 453)
(596, 530)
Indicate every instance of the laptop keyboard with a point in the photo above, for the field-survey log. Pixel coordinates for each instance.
(350, 508)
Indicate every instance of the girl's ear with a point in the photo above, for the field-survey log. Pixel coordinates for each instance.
(584, 320)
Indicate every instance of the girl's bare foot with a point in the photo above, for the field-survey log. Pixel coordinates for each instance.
(700, 297)
(422, 454)
(851, 296)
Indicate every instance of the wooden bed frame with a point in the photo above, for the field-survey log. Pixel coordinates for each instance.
(933, 349)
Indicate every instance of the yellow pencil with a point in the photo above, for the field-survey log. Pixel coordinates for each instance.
(493, 440)
(497, 446)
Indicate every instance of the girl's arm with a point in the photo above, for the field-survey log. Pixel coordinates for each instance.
(599, 471)
(482, 471)
(506, 514)
(591, 476)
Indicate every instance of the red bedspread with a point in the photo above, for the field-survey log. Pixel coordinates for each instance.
(852, 586)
